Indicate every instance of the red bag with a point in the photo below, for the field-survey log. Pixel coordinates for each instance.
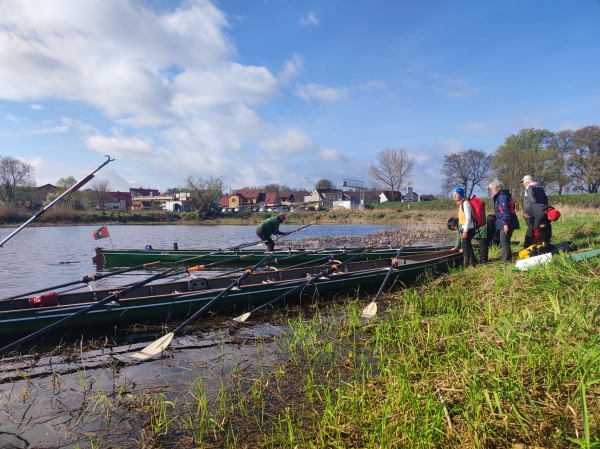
(478, 211)
(47, 300)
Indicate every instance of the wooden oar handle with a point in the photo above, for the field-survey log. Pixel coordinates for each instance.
(151, 264)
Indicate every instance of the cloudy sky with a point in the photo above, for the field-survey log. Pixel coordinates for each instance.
(265, 91)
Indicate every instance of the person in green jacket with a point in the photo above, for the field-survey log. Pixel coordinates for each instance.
(268, 227)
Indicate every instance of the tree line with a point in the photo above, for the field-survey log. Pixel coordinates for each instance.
(560, 162)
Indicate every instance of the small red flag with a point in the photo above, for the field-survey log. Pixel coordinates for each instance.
(100, 233)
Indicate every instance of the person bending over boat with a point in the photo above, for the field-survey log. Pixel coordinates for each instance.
(543, 216)
(268, 227)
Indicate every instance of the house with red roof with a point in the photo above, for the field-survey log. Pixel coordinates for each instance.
(119, 200)
(244, 197)
(269, 199)
(289, 197)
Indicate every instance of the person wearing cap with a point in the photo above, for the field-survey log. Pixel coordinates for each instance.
(534, 194)
(270, 227)
(506, 219)
(466, 226)
(542, 215)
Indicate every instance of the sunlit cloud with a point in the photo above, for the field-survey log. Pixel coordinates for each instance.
(313, 91)
(475, 127)
(453, 87)
(310, 19)
(56, 129)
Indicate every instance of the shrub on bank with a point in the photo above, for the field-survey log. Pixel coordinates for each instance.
(11, 214)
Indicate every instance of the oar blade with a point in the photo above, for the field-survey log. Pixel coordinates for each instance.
(155, 348)
(242, 318)
(370, 311)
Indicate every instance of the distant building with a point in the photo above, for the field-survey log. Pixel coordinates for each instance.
(325, 196)
(119, 200)
(269, 199)
(369, 197)
(140, 191)
(387, 197)
(244, 197)
(40, 194)
(289, 197)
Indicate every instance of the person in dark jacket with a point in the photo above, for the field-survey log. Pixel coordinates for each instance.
(268, 227)
(542, 215)
(484, 235)
(534, 194)
(506, 219)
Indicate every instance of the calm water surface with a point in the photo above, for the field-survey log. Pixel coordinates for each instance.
(46, 256)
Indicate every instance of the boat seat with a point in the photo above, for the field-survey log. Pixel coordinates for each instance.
(198, 284)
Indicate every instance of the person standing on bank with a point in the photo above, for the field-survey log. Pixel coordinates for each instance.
(534, 194)
(268, 227)
(466, 226)
(506, 219)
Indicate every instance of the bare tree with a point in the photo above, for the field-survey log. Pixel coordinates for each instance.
(584, 161)
(270, 188)
(204, 192)
(324, 184)
(16, 180)
(99, 193)
(466, 169)
(393, 170)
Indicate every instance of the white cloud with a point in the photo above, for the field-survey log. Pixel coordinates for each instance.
(176, 98)
(12, 118)
(372, 85)
(332, 155)
(453, 87)
(36, 107)
(83, 127)
(291, 141)
(290, 69)
(475, 127)
(56, 129)
(123, 146)
(310, 19)
(315, 91)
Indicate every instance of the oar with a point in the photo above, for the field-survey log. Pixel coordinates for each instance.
(310, 281)
(221, 262)
(162, 343)
(71, 317)
(45, 208)
(85, 280)
(331, 256)
(231, 248)
(277, 261)
(190, 270)
(301, 228)
(371, 309)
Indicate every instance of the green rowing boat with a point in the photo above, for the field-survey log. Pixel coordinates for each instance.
(165, 301)
(131, 257)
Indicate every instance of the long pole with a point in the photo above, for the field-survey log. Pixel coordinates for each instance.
(77, 186)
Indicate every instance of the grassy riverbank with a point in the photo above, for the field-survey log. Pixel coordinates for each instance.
(384, 213)
(485, 357)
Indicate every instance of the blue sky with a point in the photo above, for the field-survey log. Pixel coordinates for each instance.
(280, 91)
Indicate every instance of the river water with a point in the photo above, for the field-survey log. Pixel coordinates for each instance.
(39, 257)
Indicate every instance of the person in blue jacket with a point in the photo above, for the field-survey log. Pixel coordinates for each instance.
(506, 219)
